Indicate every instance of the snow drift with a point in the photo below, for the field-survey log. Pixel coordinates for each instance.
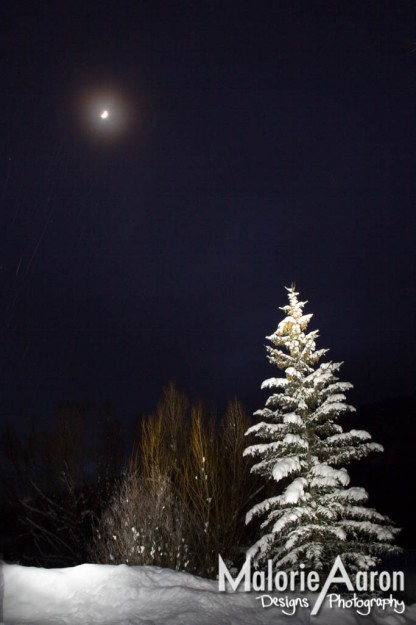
(93, 594)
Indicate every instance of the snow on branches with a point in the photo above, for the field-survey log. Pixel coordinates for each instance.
(311, 515)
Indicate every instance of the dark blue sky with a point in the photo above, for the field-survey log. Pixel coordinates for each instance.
(267, 143)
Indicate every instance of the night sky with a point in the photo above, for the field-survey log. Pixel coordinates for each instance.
(248, 145)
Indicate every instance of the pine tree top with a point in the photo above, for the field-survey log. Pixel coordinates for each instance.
(295, 347)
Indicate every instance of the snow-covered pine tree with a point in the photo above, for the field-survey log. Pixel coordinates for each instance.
(314, 516)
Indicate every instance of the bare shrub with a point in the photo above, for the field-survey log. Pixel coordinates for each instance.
(59, 523)
(61, 478)
(182, 500)
(145, 524)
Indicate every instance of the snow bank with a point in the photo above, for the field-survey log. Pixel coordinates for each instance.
(93, 594)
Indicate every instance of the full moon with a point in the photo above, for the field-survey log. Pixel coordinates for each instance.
(104, 114)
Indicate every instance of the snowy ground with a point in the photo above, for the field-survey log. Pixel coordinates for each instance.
(119, 595)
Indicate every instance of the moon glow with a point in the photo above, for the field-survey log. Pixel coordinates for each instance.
(105, 112)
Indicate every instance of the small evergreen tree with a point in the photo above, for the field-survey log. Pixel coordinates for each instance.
(314, 516)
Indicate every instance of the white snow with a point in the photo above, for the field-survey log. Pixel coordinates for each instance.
(93, 594)
(274, 383)
(294, 491)
(325, 475)
(292, 418)
(285, 466)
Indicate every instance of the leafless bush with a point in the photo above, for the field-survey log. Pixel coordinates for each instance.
(59, 523)
(145, 524)
(182, 500)
(61, 477)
